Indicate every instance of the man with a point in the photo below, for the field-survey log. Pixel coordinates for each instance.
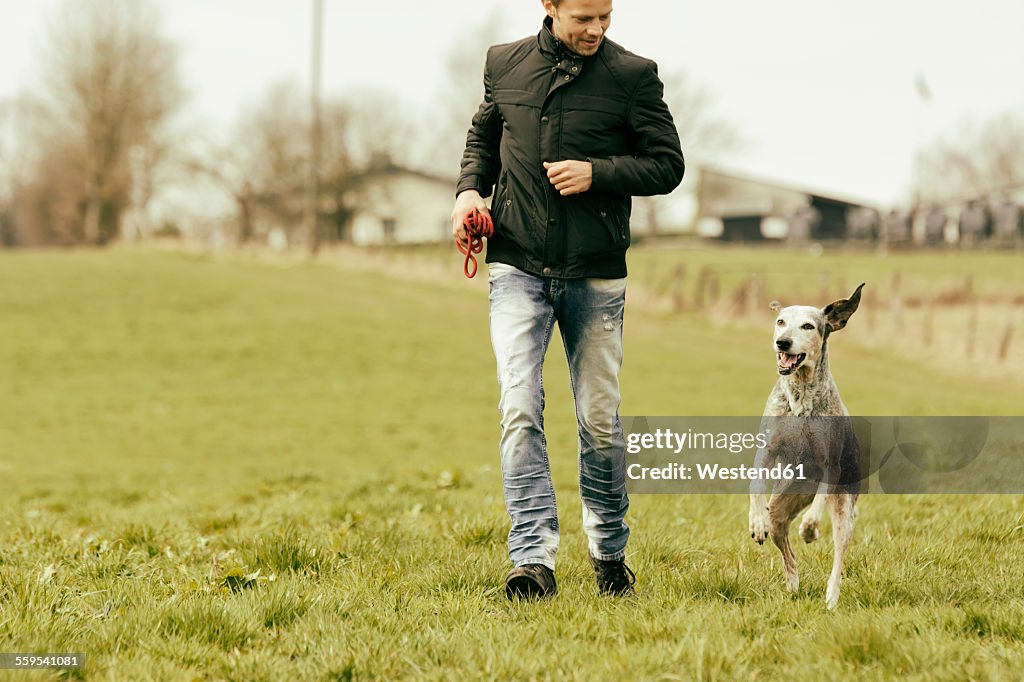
(570, 127)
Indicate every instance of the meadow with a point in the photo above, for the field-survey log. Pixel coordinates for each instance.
(251, 468)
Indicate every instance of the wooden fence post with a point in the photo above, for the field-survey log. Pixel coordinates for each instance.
(972, 327)
(896, 305)
(929, 322)
(869, 301)
(652, 279)
(679, 287)
(1004, 344)
(755, 292)
(701, 290)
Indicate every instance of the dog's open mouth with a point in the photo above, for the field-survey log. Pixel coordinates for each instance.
(788, 363)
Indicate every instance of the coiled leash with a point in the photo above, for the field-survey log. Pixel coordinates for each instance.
(478, 225)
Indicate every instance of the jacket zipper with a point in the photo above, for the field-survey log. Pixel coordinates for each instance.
(561, 200)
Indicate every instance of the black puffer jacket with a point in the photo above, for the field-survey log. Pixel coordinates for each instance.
(544, 103)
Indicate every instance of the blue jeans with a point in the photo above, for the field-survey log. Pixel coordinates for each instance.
(523, 312)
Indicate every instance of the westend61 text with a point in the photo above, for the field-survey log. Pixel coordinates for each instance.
(709, 472)
(667, 439)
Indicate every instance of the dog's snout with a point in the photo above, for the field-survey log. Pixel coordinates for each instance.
(783, 344)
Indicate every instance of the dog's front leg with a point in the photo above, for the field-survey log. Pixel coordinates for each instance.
(843, 512)
(758, 515)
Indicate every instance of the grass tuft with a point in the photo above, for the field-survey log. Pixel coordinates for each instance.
(209, 621)
(480, 532)
(726, 585)
(285, 551)
(281, 607)
(143, 537)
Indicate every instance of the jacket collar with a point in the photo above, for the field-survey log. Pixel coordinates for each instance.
(563, 58)
(554, 49)
(549, 44)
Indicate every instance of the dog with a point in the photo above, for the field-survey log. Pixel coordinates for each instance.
(807, 424)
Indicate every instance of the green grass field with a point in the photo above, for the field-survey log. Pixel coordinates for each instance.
(235, 468)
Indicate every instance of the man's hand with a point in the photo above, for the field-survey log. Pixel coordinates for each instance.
(464, 203)
(570, 177)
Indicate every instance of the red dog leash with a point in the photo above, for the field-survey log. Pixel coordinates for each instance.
(478, 225)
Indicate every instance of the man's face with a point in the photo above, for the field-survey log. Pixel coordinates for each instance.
(580, 24)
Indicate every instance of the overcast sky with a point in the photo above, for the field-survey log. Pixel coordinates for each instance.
(822, 90)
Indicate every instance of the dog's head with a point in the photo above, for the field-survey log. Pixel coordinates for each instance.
(801, 330)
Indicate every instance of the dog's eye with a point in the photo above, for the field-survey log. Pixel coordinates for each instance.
(779, 323)
(807, 326)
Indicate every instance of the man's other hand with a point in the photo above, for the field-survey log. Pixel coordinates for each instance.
(464, 203)
(570, 177)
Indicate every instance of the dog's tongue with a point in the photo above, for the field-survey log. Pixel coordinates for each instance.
(787, 360)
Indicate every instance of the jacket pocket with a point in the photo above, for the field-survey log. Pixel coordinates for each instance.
(501, 199)
(615, 222)
(510, 213)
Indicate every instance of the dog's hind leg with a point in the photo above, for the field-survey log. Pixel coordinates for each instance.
(842, 508)
(782, 509)
(812, 517)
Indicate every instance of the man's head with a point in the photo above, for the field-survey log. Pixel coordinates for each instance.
(579, 24)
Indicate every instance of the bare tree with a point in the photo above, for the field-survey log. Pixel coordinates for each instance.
(706, 135)
(7, 166)
(274, 139)
(37, 178)
(110, 86)
(978, 160)
(265, 166)
(224, 167)
(262, 166)
(463, 90)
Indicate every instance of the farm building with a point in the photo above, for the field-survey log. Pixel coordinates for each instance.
(402, 206)
(737, 207)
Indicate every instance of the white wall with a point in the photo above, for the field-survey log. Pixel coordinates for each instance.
(419, 206)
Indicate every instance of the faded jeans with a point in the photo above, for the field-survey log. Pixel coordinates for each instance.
(523, 311)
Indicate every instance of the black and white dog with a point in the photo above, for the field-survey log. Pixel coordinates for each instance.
(808, 424)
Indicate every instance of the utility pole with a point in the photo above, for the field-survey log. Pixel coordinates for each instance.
(313, 182)
(924, 98)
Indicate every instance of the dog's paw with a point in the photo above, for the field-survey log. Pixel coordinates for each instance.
(792, 582)
(759, 525)
(832, 597)
(809, 530)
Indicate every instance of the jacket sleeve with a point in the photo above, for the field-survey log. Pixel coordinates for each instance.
(481, 162)
(656, 165)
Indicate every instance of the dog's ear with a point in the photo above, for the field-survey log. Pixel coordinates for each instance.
(775, 306)
(837, 313)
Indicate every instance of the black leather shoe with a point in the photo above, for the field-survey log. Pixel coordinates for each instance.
(530, 581)
(613, 577)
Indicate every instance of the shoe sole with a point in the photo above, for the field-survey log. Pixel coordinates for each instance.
(524, 587)
(627, 592)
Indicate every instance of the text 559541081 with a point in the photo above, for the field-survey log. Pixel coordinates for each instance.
(41, 661)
